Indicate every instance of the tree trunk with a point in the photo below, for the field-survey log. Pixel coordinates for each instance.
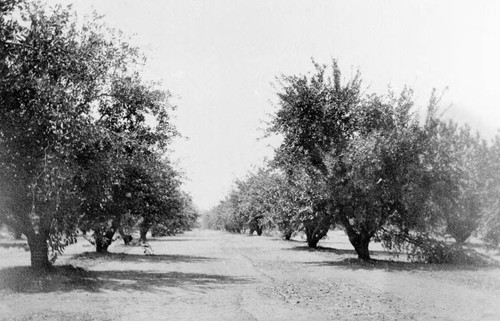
(102, 242)
(144, 232)
(144, 228)
(314, 234)
(39, 251)
(287, 235)
(18, 233)
(312, 242)
(360, 242)
(125, 237)
(101, 245)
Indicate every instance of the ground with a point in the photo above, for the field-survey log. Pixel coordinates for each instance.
(209, 275)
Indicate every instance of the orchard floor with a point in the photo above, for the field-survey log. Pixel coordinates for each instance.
(208, 275)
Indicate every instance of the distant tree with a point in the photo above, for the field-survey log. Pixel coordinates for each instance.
(312, 212)
(490, 220)
(182, 217)
(285, 205)
(459, 193)
(255, 200)
(225, 216)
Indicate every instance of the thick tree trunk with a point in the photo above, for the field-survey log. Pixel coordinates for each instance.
(102, 242)
(360, 242)
(125, 237)
(17, 233)
(312, 242)
(144, 228)
(39, 251)
(101, 245)
(287, 235)
(314, 234)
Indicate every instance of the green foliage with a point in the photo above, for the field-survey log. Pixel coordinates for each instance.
(82, 136)
(460, 161)
(490, 220)
(44, 118)
(373, 164)
(423, 247)
(177, 216)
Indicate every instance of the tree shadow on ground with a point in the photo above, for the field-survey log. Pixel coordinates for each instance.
(126, 257)
(170, 239)
(333, 250)
(15, 244)
(391, 265)
(68, 278)
(399, 263)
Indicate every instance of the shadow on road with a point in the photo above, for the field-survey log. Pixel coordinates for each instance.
(170, 239)
(126, 257)
(69, 278)
(388, 265)
(18, 245)
(332, 250)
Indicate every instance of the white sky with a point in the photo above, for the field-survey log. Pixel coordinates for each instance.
(219, 59)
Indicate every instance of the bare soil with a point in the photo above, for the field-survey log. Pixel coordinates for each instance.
(208, 275)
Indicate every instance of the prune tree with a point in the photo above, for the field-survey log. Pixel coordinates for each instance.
(256, 200)
(127, 175)
(68, 91)
(490, 220)
(222, 217)
(315, 122)
(367, 150)
(309, 199)
(284, 204)
(385, 178)
(459, 193)
(49, 72)
(177, 219)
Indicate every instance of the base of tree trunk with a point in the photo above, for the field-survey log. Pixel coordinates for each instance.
(102, 242)
(144, 233)
(127, 239)
(361, 244)
(314, 234)
(39, 251)
(101, 246)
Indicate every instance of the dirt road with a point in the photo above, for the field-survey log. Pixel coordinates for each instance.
(207, 275)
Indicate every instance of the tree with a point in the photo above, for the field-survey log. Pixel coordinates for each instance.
(461, 158)
(384, 182)
(125, 172)
(285, 204)
(45, 90)
(490, 220)
(71, 99)
(368, 152)
(180, 218)
(314, 119)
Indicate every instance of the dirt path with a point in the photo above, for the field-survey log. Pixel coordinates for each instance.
(207, 275)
